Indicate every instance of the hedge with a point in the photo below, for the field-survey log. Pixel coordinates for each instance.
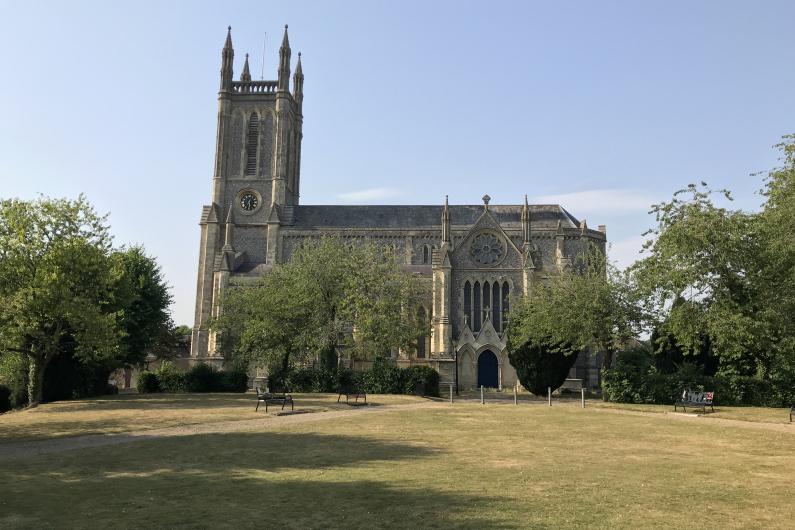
(385, 377)
(634, 380)
(199, 378)
(147, 383)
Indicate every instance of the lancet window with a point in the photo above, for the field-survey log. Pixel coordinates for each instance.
(488, 300)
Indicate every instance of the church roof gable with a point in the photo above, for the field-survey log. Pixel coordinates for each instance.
(544, 217)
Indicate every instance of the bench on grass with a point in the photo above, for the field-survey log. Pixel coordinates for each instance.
(695, 400)
(350, 390)
(275, 398)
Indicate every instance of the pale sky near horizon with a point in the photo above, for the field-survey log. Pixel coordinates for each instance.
(604, 107)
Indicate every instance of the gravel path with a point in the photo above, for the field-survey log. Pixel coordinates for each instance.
(27, 449)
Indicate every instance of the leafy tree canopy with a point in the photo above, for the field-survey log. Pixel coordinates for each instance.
(57, 283)
(591, 306)
(726, 277)
(329, 293)
(144, 299)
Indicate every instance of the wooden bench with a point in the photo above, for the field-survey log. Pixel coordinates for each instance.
(275, 398)
(695, 400)
(350, 390)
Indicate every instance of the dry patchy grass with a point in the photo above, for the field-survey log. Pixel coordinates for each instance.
(463, 465)
(128, 412)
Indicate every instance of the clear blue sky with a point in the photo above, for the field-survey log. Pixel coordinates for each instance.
(602, 106)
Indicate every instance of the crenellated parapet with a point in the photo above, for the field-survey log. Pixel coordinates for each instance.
(255, 87)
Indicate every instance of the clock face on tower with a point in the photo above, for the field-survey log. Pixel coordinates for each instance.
(249, 201)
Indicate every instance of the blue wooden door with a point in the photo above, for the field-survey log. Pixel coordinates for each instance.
(487, 370)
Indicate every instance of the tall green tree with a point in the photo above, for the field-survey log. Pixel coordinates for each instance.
(701, 275)
(592, 306)
(57, 284)
(144, 299)
(776, 228)
(329, 293)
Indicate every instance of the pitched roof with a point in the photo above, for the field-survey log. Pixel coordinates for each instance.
(420, 216)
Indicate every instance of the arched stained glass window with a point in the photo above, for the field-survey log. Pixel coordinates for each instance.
(426, 254)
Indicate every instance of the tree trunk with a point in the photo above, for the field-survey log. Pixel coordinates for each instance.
(607, 361)
(36, 381)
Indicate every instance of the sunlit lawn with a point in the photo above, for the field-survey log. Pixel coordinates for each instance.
(128, 412)
(752, 414)
(461, 465)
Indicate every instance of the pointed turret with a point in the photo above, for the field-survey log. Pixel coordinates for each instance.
(227, 58)
(284, 63)
(230, 223)
(245, 77)
(526, 221)
(446, 222)
(298, 83)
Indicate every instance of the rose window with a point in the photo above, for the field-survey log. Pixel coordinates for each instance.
(487, 249)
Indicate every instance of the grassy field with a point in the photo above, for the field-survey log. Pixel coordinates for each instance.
(464, 465)
(121, 413)
(752, 414)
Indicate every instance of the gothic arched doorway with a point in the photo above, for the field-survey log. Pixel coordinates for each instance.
(487, 370)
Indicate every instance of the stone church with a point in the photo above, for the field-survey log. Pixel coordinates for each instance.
(473, 257)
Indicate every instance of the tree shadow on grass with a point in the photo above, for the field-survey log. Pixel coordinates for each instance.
(264, 480)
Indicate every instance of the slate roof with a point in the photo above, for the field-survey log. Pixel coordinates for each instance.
(422, 216)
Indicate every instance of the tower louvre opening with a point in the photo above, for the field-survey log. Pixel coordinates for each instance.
(251, 145)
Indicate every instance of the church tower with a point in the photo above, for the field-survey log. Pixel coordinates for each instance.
(256, 180)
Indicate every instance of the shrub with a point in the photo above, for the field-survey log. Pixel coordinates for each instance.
(383, 378)
(736, 390)
(278, 377)
(660, 388)
(202, 378)
(634, 380)
(234, 380)
(299, 380)
(111, 389)
(147, 383)
(319, 379)
(5, 398)
(68, 377)
(324, 381)
(624, 382)
(539, 366)
(347, 377)
(14, 375)
(170, 379)
(421, 375)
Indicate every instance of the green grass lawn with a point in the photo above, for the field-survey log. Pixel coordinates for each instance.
(125, 412)
(464, 465)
